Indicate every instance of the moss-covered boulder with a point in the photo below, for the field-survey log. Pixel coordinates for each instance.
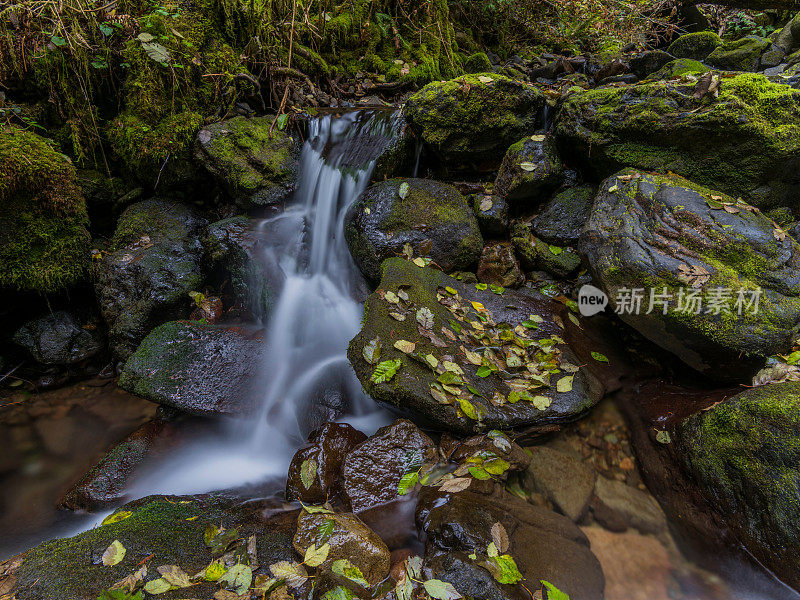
(531, 169)
(739, 55)
(253, 280)
(252, 160)
(478, 63)
(561, 220)
(452, 354)
(44, 242)
(745, 143)
(707, 260)
(146, 273)
(433, 218)
(492, 213)
(745, 454)
(649, 62)
(158, 531)
(475, 118)
(788, 38)
(696, 46)
(680, 67)
(537, 254)
(197, 368)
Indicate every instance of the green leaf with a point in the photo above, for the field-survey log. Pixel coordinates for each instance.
(325, 530)
(316, 510)
(58, 41)
(481, 286)
(504, 569)
(599, 357)
(119, 595)
(293, 573)
(210, 533)
(347, 569)
(174, 575)
(308, 472)
(281, 121)
(407, 483)
(496, 466)
(158, 586)
(793, 358)
(553, 593)
(145, 37)
(663, 437)
(156, 51)
(214, 571)
(497, 289)
(555, 250)
(483, 371)
(113, 554)
(314, 556)
(372, 351)
(479, 473)
(105, 29)
(116, 517)
(238, 578)
(441, 590)
(386, 370)
(565, 384)
(403, 190)
(338, 593)
(404, 589)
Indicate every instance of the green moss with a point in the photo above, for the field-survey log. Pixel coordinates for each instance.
(478, 63)
(696, 46)
(44, 243)
(739, 55)
(679, 68)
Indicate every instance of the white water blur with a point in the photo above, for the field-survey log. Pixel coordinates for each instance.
(315, 316)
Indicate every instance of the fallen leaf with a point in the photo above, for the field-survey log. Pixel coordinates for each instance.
(113, 554)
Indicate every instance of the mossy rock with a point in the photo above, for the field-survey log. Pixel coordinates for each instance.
(254, 165)
(680, 67)
(475, 118)
(670, 235)
(740, 55)
(696, 46)
(492, 214)
(561, 220)
(148, 269)
(433, 218)
(745, 143)
(536, 254)
(649, 62)
(478, 63)
(530, 171)
(409, 390)
(44, 241)
(199, 369)
(162, 530)
(744, 453)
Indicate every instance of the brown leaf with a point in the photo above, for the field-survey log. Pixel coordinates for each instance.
(458, 484)
(500, 537)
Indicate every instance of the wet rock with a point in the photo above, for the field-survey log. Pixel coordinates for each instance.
(563, 479)
(350, 538)
(788, 39)
(325, 453)
(561, 220)
(163, 530)
(414, 386)
(743, 454)
(474, 118)
(649, 62)
(153, 261)
(104, 485)
(654, 128)
(44, 238)
(106, 197)
(59, 339)
(254, 165)
(630, 506)
(772, 58)
(199, 369)
(492, 214)
(696, 46)
(543, 544)
(499, 266)
(536, 254)
(433, 218)
(739, 55)
(531, 169)
(458, 451)
(371, 472)
(254, 280)
(679, 68)
(664, 232)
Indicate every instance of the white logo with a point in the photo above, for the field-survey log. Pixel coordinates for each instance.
(591, 300)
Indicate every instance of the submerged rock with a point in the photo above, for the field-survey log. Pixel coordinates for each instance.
(666, 234)
(153, 262)
(563, 479)
(44, 238)
(198, 369)
(474, 118)
(432, 218)
(59, 339)
(531, 169)
(319, 463)
(745, 143)
(743, 452)
(449, 377)
(372, 471)
(251, 159)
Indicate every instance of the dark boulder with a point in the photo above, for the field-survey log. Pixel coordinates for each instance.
(59, 339)
(531, 169)
(561, 220)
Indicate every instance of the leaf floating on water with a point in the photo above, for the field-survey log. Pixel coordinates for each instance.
(386, 370)
(425, 317)
(294, 573)
(308, 472)
(314, 556)
(372, 350)
(441, 590)
(599, 357)
(407, 483)
(238, 578)
(565, 384)
(114, 554)
(527, 166)
(457, 484)
(403, 190)
(405, 346)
